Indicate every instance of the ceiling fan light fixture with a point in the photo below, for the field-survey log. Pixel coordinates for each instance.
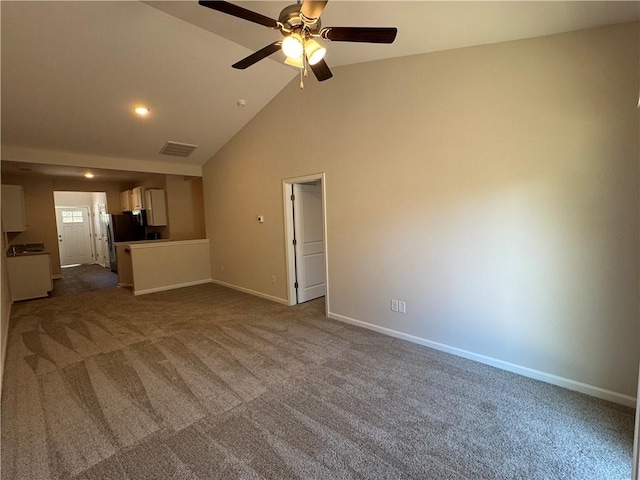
(294, 62)
(315, 51)
(292, 46)
(299, 23)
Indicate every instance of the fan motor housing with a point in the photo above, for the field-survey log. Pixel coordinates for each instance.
(291, 19)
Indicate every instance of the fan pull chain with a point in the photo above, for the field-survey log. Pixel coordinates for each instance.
(303, 69)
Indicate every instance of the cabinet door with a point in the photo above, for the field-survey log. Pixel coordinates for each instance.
(125, 201)
(137, 198)
(29, 276)
(14, 215)
(156, 207)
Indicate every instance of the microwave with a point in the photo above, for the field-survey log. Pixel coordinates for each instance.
(140, 217)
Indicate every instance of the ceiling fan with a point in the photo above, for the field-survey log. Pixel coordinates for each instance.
(300, 25)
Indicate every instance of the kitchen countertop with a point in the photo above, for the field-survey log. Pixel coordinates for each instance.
(26, 254)
(135, 242)
(26, 249)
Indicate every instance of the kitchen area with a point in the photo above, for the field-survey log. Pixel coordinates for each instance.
(143, 219)
(137, 216)
(28, 265)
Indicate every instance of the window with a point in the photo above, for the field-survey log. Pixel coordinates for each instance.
(72, 216)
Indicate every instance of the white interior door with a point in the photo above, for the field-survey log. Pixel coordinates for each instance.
(309, 241)
(74, 235)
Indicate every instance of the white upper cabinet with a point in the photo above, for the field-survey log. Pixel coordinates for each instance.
(14, 214)
(137, 198)
(125, 201)
(156, 206)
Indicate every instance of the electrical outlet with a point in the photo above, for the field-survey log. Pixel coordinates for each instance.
(394, 305)
(273, 279)
(221, 267)
(402, 307)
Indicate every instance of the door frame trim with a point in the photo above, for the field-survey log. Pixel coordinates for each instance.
(288, 234)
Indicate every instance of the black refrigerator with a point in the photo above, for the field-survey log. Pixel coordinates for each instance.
(122, 228)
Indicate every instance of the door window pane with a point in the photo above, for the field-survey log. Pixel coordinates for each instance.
(72, 216)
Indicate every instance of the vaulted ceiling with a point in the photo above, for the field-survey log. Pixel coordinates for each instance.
(72, 71)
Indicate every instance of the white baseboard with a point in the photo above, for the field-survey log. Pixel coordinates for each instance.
(171, 287)
(283, 301)
(511, 367)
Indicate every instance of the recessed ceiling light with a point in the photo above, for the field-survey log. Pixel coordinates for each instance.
(141, 110)
(89, 175)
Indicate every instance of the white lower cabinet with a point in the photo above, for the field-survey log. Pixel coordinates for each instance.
(29, 276)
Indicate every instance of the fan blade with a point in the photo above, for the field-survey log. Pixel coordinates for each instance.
(312, 9)
(231, 9)
(360, 34)
(257, 56)
(321, 71)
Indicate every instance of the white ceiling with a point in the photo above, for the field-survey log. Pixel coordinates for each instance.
(27, 169)
(72, 71)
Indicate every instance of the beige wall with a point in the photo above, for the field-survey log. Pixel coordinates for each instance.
(75, 199)
(185, 206)
(494, 189)
(161, 266)
(40, 207)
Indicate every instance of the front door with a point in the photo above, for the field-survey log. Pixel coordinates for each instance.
(309, 241)
(74, 235)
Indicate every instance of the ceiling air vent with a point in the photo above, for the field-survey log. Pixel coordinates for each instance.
(178, 149)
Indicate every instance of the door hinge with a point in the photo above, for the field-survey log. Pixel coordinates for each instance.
(295, 285)
(295, 242)
(293, 198)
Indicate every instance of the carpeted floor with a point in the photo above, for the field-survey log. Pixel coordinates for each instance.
(83, 278)
(209, 383)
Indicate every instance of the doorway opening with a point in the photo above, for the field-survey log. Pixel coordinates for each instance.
(81, 224)
(305, 239)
